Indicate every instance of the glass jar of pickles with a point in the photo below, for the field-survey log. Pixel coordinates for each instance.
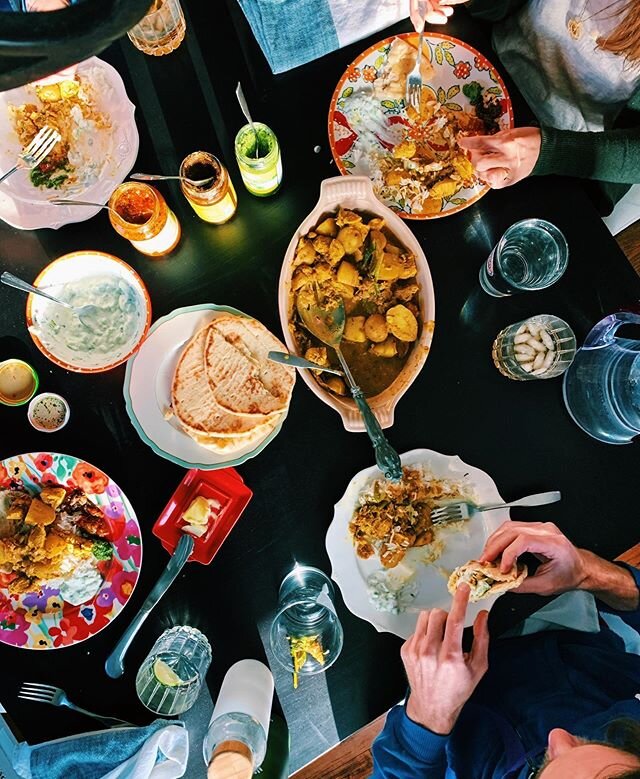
(140, 214)
(215, 200)
(259, 160)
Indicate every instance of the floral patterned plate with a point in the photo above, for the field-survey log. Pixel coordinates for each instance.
(41, 619)
(354, 132)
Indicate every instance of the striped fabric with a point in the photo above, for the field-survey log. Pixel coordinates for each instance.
(293, 32)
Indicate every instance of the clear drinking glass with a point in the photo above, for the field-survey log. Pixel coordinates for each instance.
(171, 676)
(306, 623)
(540, 347)
(161, 31)
(531, 255)
(259, 160)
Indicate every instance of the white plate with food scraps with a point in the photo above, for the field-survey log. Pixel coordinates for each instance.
(424, 581)
(103, 149)
(148, 397)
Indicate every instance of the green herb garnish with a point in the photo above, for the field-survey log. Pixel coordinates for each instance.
(102, 549)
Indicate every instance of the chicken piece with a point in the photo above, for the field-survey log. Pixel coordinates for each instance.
(53, 496)
(36, 538)
(301, 278)
(55, 545)
(322, 272)
(20, 502)
(346, 217)
(405, 294)
(391, 555)
(305, 253)
(93, 524)
(321, 244)
(327, 227)
(318, 354)
(424, 538)
(75, 499)
(40, 513)
(364, 550)
(336, 252)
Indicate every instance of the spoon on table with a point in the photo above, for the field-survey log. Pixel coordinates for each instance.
(63, 202)
(300, 362)
(114, 665)
(158, 177)
(86, 314)
(247, 115)
(326, 319)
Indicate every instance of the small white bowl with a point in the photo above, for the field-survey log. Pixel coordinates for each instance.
(42, 397)
(356, 192)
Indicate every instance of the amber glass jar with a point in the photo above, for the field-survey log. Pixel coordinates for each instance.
(140, 214)
(215, 201)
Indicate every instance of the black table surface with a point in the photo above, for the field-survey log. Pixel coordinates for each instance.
(519, 432)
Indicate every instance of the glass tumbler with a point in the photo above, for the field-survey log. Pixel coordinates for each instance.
(258, 157)
(162, 29)
(531, 255)
(540, 347)
(171, 676)
(306, 636)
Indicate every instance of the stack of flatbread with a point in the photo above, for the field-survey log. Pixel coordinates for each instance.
(226, 394)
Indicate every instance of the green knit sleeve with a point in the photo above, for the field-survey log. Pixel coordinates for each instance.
(493, 10)
(611, 155)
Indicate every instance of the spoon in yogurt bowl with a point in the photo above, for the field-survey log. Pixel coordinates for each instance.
(88, 315)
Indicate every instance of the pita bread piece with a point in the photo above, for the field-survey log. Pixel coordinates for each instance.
(485, 579)
(242, 379)
(193, 402)
(391, 83)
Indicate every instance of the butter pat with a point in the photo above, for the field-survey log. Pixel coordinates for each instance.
(198, 512)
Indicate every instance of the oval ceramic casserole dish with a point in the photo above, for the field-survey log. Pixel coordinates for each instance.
(356, 193)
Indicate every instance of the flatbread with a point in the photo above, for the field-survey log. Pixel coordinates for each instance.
(233, 445)
(478, 575)
(241, 377)
(391, 83)
(193, 402)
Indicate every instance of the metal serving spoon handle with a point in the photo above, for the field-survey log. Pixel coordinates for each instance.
(114, 666)
(158, 177)
(13, 281)
(300, 362)
(387, 459)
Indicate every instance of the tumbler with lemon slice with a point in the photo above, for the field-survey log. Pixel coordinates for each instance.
(170, 678)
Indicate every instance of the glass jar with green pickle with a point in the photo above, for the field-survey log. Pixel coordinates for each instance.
(259, 159)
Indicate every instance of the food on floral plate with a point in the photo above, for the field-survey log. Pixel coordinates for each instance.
(412, 156)
(354, 247)
(118, 326)
(215, 399)
(388, 560)
(70, 550)
(88, 105)
(486, 579)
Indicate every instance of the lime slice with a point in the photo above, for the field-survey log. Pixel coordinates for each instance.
(166, 675)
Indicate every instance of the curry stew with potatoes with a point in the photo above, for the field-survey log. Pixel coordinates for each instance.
(357, 257)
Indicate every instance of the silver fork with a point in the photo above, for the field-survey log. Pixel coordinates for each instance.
(39, 148)
(46, 693)
(414, 79)
(454, 512)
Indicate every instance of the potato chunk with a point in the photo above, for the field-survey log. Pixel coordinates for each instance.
(328, 227)
(402, 323)
(351, 237)
(321, 244)
(375, 328)
(348, 274)
(335, 384)
(354, 329)
(305, 253)
(336, 252)
(388, 348)
(39, 513)
(346, 217)
(53, 496)
(317, 354)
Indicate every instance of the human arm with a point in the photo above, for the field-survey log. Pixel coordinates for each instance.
(509, 156)
(441, 678)
(563, 566)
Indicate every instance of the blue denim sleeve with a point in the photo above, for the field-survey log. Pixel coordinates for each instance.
(632, 618)
(406, 750)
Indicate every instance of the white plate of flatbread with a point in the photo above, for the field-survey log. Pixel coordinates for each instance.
(201, 392)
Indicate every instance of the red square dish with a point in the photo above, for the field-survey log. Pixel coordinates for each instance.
(224, 486)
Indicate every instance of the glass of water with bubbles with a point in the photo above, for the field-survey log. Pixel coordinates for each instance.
(171, 676)
(531, 255)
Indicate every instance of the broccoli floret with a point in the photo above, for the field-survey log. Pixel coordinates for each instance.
(102, 549)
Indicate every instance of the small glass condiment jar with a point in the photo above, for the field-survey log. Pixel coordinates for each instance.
(259, 160)
(143, 217)
(215, 201)
(18, 382)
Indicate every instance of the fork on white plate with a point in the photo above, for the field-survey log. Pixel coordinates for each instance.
(454, 512)
(414, 79)
(46, 693)
(36, 152)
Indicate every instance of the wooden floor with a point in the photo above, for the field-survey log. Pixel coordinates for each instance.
(351, 759)
(629, 241)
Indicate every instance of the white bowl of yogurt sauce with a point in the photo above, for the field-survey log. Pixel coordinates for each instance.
(121, 323)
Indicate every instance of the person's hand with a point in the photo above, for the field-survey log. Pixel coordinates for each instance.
(563, 568)
(430, 12)
(442, 676)
(505, 158)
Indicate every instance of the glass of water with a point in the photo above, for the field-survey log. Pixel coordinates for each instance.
(162, 29)
(540, 347)
(306, 635)
(531, 255)
(171, 676)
